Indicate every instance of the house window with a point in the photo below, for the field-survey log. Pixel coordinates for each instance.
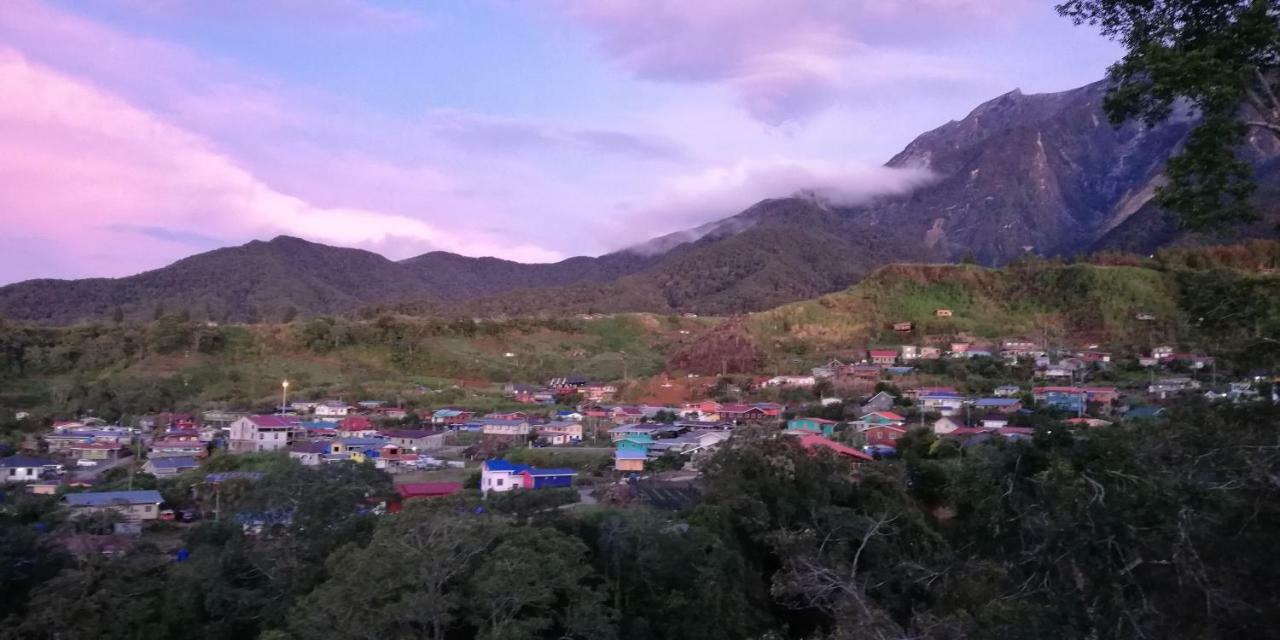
(147, 509)
(499, 482)
(13, 472)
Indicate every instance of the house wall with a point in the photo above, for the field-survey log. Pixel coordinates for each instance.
(629, 465)
(497, 481)
(132, 512)
(19, 474)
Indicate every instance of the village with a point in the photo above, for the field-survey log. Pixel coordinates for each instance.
(857, 410)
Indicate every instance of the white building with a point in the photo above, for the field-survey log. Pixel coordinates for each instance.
(332, 409)
(24, 468)
(790, 381)
(261, 433)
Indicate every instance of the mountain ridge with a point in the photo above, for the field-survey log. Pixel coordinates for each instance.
(1042, 174)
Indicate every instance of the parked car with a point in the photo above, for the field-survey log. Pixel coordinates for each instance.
(167, 515)
(86, 463)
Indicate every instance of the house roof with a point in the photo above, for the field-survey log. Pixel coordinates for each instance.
(811, 441)
(995, 402)
(503, 423)
(108, 498)
(499, 464)
(629, 454)
(310, 447)
(817, 420)
(634, 428)
(413, 434)
(25, 461)
(428, 489)
(884, 353)
(449, 413)
(361, 442)
(274, 421)
(174, 462)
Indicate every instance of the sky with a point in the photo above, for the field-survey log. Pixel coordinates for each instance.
(137, 132)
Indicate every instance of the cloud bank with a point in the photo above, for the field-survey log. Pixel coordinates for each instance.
(783, 60)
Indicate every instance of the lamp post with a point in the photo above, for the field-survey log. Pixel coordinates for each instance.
(284, 396)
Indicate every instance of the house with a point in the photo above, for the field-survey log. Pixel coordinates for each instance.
(96, 451)
(450, 416)
(560, 432)
(309, 454)
(261, 433)
(303, 407)
(417, 439)
(599, 392)
(903, 327)
(1017, 348)
(169, 466)
(631, 460)
(496, 427)
(909, 352)
(1069, 399)
(930, 353)
(356, 427)
(1163, 352)
(819, 426)
(790, 381)
(942, 313)
(1007, 391)
(636, 443)
(355, 445)
(814, 442)
(133, 505)
(882, 401)
(742, 413)
(947, 425)
(1166, 387)
(942, 402)
(883, 356)
(500, 475)
(998, 405)
(25, 468)
(878, 418)
(883, 435)
(177, 446)
(510, 415)
(627, 431)
(332, 409)
(959, 348)
(994, 421)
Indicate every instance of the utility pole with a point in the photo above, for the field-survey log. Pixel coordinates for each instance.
(284, 396)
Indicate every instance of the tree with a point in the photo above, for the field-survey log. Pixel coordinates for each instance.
(1220, 56)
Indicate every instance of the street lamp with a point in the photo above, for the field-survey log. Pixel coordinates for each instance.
(284, 396)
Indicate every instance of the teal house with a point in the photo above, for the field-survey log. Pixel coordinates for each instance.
(818, 426)
(634, 443)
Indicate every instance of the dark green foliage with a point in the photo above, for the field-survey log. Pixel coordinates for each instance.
(1158, 531)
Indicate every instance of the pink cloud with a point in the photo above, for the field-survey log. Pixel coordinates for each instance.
(85, 168)
(329, 14)
(783, 60)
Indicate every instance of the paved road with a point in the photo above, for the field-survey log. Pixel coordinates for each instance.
(93, 473)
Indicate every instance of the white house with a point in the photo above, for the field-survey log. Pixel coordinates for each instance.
(495, 427)
(945, 404)
(24, 468)
(261, 433)
(332, 409)
(790, 381)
